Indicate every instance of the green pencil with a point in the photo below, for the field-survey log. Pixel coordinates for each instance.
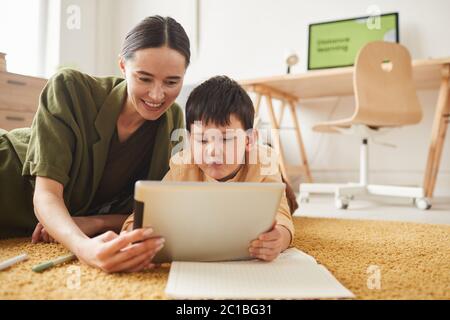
(48, 264)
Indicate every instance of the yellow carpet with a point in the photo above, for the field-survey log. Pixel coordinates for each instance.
(413, 261)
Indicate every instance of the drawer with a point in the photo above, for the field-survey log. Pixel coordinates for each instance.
(18, 92)
(12, 119)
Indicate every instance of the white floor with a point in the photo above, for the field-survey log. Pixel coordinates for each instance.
(377, 208)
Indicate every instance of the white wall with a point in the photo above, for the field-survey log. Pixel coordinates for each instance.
(249, 38)
(114, 18)
(78, 41)
(20, 34)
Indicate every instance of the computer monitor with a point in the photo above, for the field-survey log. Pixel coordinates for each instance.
(335, 43)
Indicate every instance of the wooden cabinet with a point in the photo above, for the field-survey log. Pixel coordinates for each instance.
(15, 119)
(19, 99)
(2, 62)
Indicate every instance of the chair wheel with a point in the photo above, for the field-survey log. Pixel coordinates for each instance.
(303, 198)
(422, 203)
(341, 202)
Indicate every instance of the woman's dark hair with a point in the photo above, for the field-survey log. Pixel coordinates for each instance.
(216, 99)
(156, 32)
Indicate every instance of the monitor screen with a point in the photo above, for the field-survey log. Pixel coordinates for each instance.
(335, 43)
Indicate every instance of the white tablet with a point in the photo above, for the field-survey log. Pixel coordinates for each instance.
(206, 221)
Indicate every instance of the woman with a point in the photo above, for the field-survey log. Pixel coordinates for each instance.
(90, 140)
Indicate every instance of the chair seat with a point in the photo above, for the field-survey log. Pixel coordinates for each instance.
(333, 126)
(336, 125)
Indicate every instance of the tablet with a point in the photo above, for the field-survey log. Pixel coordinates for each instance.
(206, 221)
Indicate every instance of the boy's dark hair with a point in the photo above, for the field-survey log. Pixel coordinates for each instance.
(215, 100)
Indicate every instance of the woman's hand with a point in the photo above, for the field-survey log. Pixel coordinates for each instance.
(41, 235)
(128, 252)
(112, 252)
(270, 244)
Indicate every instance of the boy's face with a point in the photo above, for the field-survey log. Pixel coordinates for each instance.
(219, 151)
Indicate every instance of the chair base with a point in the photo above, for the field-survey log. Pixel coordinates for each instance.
(346, 192)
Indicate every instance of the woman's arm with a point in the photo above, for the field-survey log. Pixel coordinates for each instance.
(51, 211)
(96, 224)
(109, 251)
(90, 225)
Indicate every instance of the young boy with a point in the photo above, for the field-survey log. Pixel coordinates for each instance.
(223, 147)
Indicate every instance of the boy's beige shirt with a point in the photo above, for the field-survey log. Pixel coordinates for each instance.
(258, 172)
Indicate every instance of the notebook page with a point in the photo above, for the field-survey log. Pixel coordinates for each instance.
(292, 276)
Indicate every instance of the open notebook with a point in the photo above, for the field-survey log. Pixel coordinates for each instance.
(293, 275)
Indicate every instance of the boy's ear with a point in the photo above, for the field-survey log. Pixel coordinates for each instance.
(252, 139)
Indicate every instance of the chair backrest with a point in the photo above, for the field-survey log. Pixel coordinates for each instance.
(384, 88)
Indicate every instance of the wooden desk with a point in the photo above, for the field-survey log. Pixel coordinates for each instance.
(293, 88)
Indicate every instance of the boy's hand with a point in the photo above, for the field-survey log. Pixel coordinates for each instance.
(270, 244)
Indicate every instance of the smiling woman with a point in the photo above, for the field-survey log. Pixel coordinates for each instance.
(91, 140)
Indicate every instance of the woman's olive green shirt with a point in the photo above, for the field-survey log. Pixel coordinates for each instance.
(68, 142)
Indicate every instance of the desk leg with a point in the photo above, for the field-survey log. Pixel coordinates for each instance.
(289, 102)
(257, 107)
(283, 107)
(438, 133)
(300, 142)
(257, 103)
(278, 146)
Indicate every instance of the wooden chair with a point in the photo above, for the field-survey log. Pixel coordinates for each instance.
(385, 98)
